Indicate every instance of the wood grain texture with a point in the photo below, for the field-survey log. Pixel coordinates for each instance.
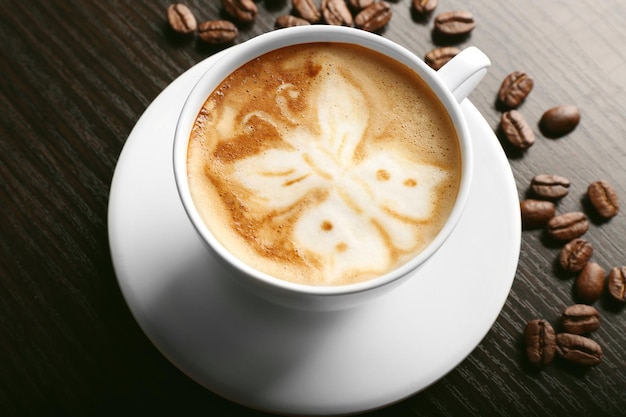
(77, 75)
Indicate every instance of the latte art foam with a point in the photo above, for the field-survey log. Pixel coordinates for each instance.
(324, 164)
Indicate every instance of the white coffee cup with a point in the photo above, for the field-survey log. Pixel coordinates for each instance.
(451, 84)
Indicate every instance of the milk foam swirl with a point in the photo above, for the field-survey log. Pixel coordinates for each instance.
(324, 201)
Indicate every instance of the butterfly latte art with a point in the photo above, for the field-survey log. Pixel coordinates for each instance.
(324, 164)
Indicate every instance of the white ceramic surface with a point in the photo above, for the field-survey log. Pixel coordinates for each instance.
(295, 362)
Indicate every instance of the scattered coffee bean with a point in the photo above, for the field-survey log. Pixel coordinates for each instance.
(425, 6)
(536, 213)
(514, 89)
(308, 10)
(287, 21)
(358, 5)
(374, 17)
(181, 19)
(559, 120)
(241, 10)
(540, 342)
(590, 283)
(517, 131)
(438, 57)
(603, 198)
(454, 23)
(217, 31)
(336, 12)
(551, 187)
(580, 319)
(568, 226)
(617, 283)
(575, 255)
(578, 349)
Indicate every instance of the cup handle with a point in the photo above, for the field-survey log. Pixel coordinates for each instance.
(463, 72)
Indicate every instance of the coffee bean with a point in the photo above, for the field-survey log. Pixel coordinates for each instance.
(517, 130)
(454, 23)
(536, 213)
(374, 17)
(358, 5)
(559, 120)
(287, 21)
(217, 31)
(603, 198)
(425, 6)
(590, 283)
(514, 89)
(568, 226)
(575, 255)
(181, 19)
(578, 349)
(438, 57)
(241, 10)
(540, 342)
(551, 187)
(580, 319)
(336, 12)
(617, 283)
(308, 10)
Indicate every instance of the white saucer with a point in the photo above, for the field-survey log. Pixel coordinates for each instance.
(294, 362)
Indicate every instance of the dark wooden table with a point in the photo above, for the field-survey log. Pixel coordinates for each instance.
(77, 75)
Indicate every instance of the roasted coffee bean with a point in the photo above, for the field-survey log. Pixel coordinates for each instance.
(181, 19)
(560, 120)
(336, 12)
(603, 198)
(580, 319)
(568, 226)
(540, 342)
(241, 10)
(425, 6)
(536, 213)
(617, 283)
(438, 57)
(287, 21)
(517, 131)
(551, 187)
(514, 89)
(575, 255)
(358, 5)
(217, 31)
(578, 349)
(308, 10)
(590, 283)
(454, 23)
(374, 17)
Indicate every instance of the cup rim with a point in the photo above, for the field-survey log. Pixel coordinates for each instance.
(238, 55)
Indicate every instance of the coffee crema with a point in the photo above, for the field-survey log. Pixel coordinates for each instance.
(324, 164)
